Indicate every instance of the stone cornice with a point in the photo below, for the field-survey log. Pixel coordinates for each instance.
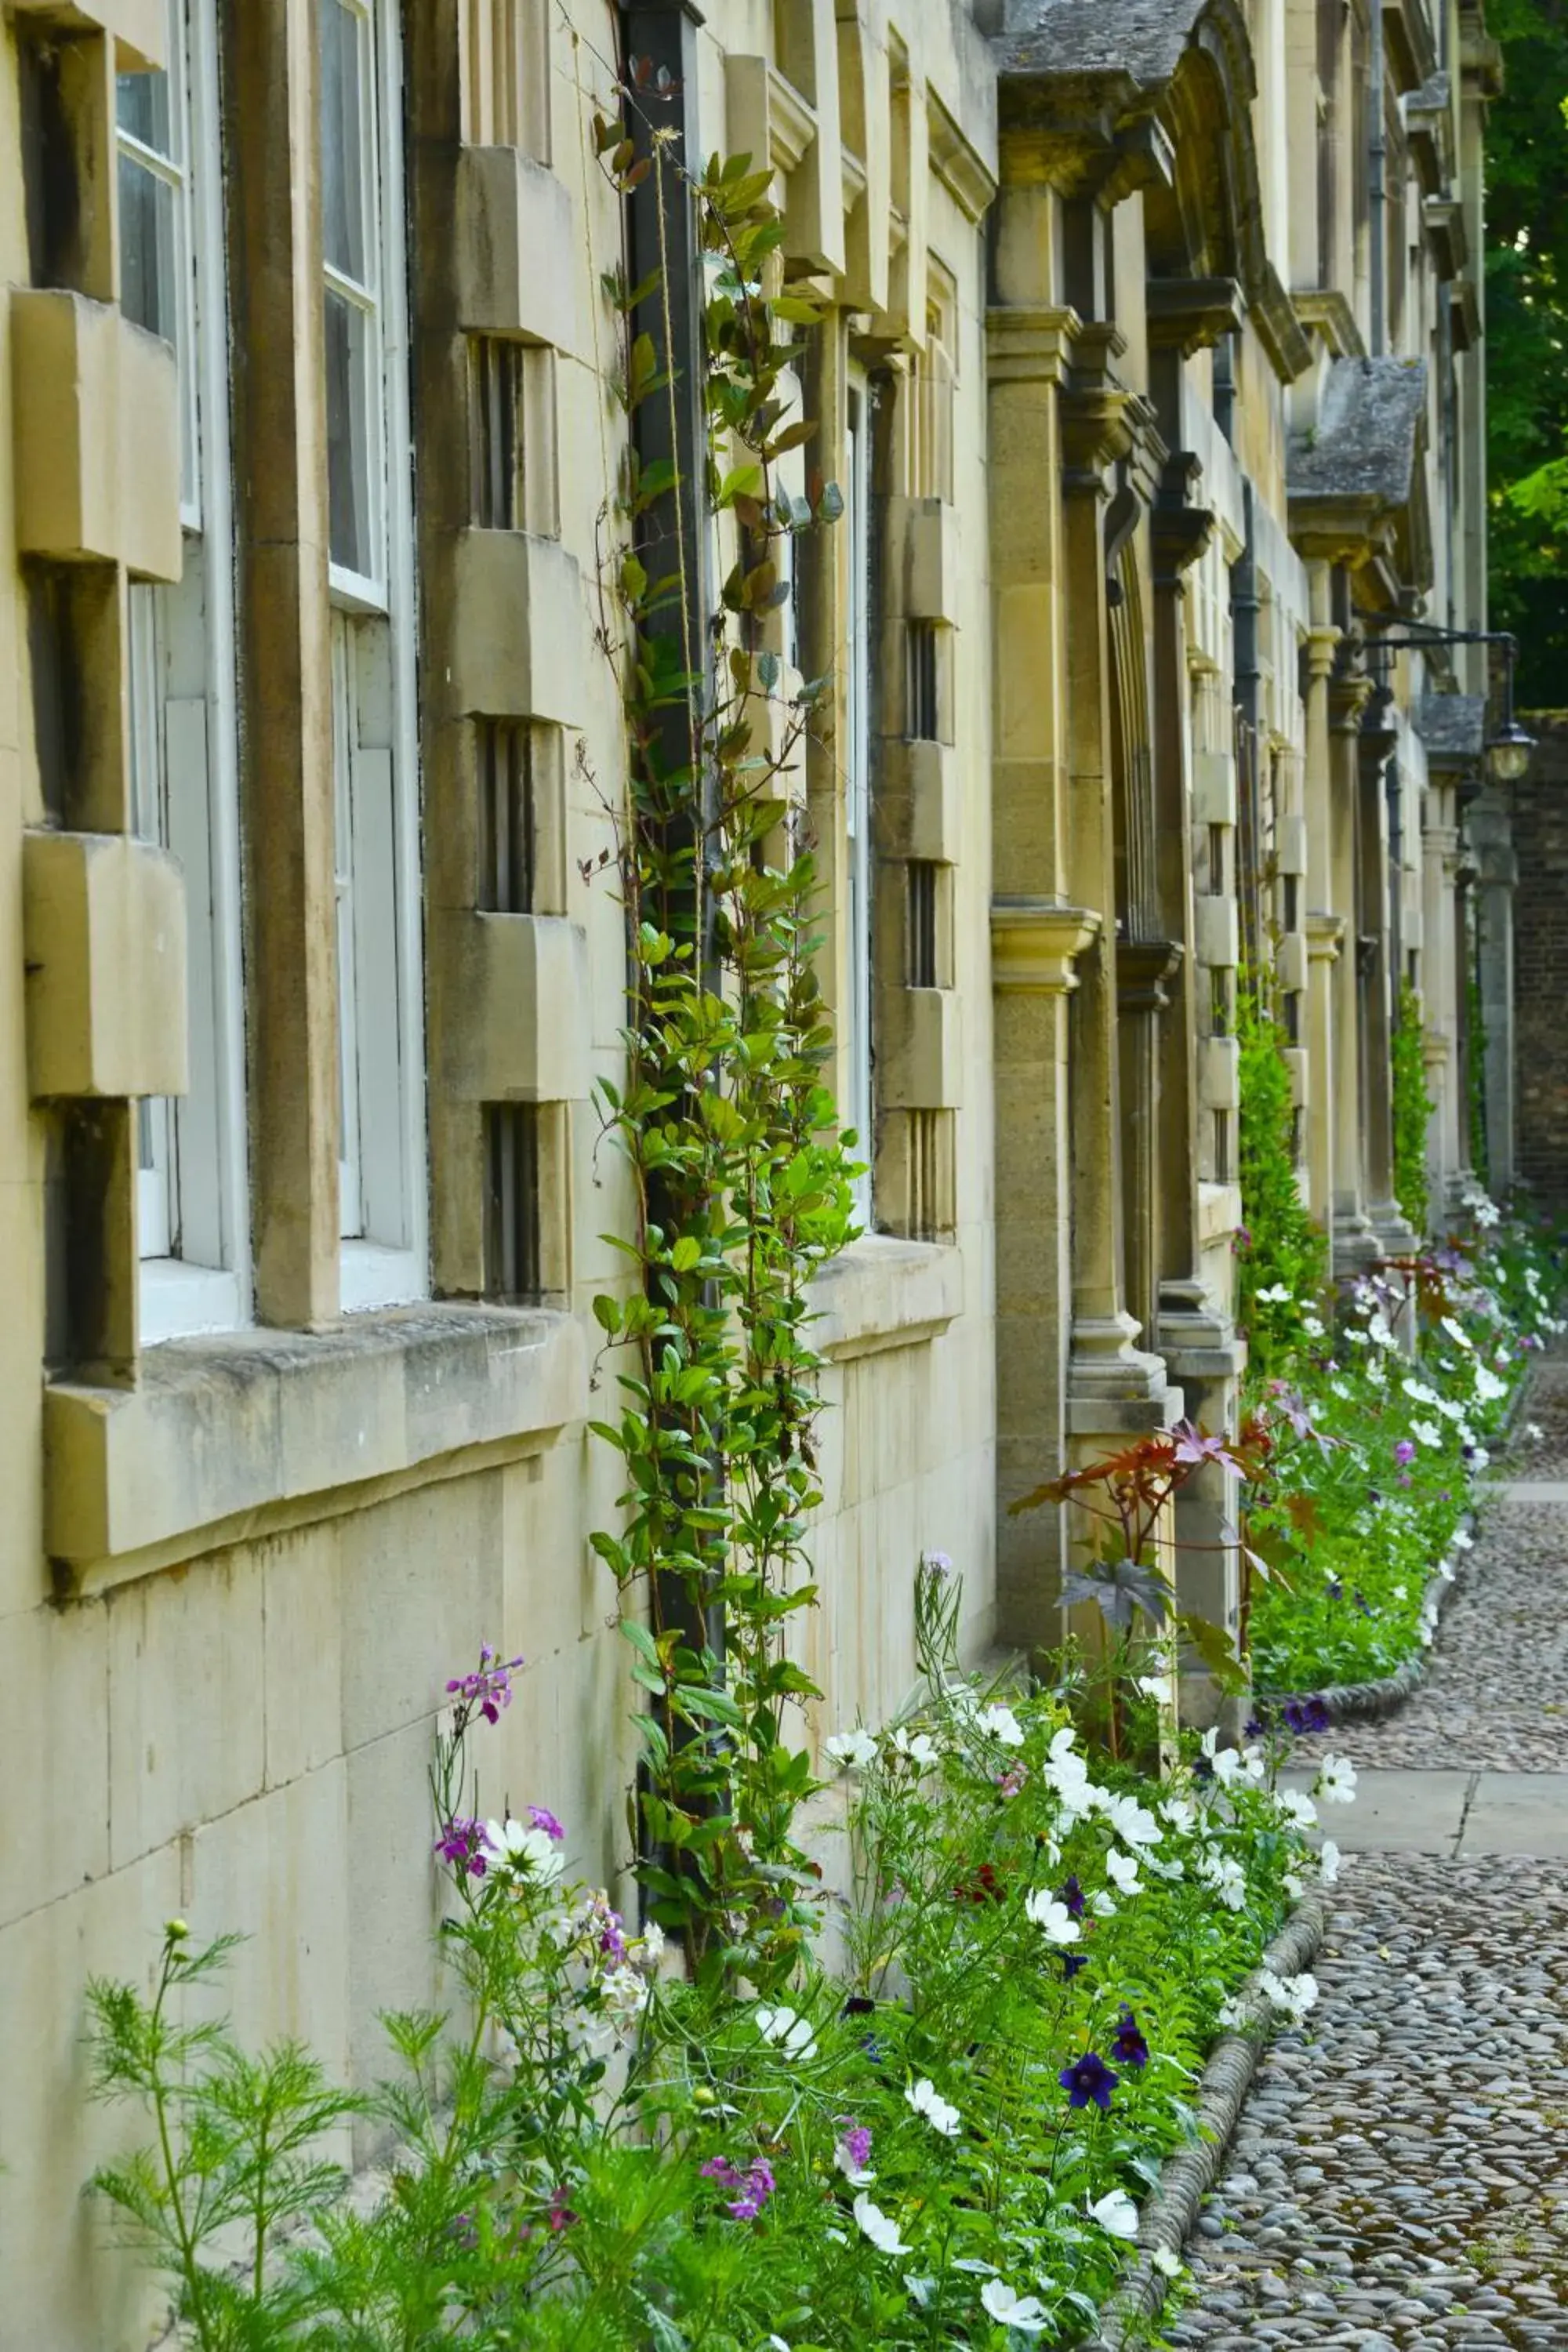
(1035, 943)
(957, 162)
(1325, 938)
(1180, 529)
(1191, 314)
(1328, 311)
(1143, 967)
(1279, 330)
(1025, 346)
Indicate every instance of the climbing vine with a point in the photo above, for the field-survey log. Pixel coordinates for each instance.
(1282, 1264)
(740, 1184)
(1413, 1109)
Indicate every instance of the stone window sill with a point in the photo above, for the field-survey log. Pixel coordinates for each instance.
(258, 1430)
(885, 1293)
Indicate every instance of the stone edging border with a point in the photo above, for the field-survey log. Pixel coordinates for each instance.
(1169, 2213)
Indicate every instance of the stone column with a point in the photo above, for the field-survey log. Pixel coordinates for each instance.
(1115, 1390)
(1440, 861)
(1355, 1244)
(1325, 927)
(1379, 983)
(1197, 1336)
(285, 666)
(1491, 835)
(1037, 935)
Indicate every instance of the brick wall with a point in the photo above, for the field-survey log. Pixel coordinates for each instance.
(1540, 960)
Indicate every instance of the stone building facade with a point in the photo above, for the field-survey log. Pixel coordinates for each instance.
(1152, 374)
(1539, 843)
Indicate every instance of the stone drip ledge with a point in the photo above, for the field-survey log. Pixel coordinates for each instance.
(1369, 1702)
(1168, 2215)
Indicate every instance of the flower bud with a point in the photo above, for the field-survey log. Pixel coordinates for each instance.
(702, 2096)
(176, 1931)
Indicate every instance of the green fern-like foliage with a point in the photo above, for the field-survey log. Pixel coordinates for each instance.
(1413, 1109)
(1283, 1258)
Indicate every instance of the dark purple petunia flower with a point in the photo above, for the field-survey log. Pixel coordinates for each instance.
(1072, 1898)
(1071, 1963)
(859, 2005)
(1088, 2078)
(1334, 1588)
(1362, 1603)
(1129, 2047)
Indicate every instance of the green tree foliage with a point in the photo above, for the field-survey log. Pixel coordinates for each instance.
(1527, 341)
(1283, 1261)
(1413, 1107)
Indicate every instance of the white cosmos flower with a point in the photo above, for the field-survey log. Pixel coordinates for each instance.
(1379, 1333)
(1003, 1725)
(928, 2101)
(1534, 1432)
(1457, 1332)
(1276, 1295)
(1426, 1432)
(1230, 2012)
(1451, 1410)
(1329, 1862)
(1377, 1375)
(1011, 2310)
(1233, 1764)
(919, 1748)
(1418, 1392)
(1157, 1688)
(787, 2029)
(1292, 1995)
(1068, 1773)
(1180, 1814)
(1312, 1328)
(1402, 1593)
(1336, 1780)
(1462, 1540)
(1102, 1904)
(1124, 1868)
(1357, 1338)
(524, 1850)
(1480, 1457)
(1171, 1869)
(1116, 2214)
(852, 1751)
(1298, 1807)
(877, 2225)
(1488, 1385)
(1168, 2265)
(1043, 1908)
(1226, 1875)
(1134, 1824)
(1293, 1886)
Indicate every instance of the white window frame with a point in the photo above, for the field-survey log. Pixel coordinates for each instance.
(860, 1106)
(193, 1211)
(383, 1215)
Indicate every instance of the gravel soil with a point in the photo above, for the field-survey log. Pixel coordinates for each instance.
(1398, 2180)
(1399, 2177)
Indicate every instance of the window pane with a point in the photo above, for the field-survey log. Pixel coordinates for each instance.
(348, 437)
(343, 63)
(142, 108)
(149, 284)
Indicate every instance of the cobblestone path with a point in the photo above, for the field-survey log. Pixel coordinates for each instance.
(1399, 2179)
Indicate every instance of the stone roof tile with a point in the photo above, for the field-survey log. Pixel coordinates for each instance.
(1363, 445)
(1453, 726)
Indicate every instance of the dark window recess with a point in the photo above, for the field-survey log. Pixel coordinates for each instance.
(1291, 920)
(507, 830)
(1221, 1167)
(495, 439)
(58, 700)
(925, 1174)
(922, 965)
(1292, 1009)
(1219, 1003)
(511, 1202)
(924, 713)
(1216, 860)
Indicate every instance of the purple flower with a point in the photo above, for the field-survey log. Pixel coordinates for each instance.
(755, 2185)
(560, 2215)
(543, 1819)
(1128, 2048)
(1254, 1727)
(1404, 1452)
(484, 1692)
(1071, 1963)
(462, 1844)
(1072, 1897)
(1088, 2078)
(1362, 1603)
(855, 2143)
(612, 1938)
(1334, 1588)
(1306, 1715)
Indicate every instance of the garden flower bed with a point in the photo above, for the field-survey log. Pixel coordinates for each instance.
(942, 2137)
(1362, 1515)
